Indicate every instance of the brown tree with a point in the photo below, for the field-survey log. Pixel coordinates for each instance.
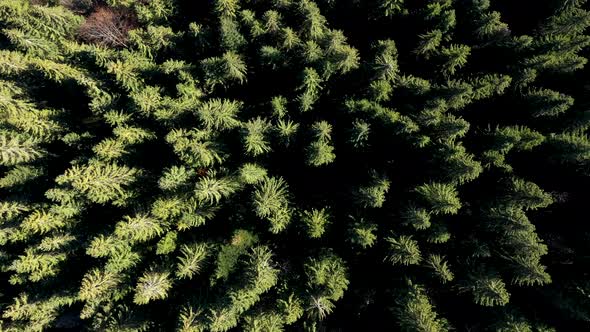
(107, 26)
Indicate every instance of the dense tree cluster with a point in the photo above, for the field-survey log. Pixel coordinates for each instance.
(306, 165)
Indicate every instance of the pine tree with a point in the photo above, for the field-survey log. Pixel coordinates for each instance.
(271, 202)
(362, 234)
(310, 87)
(403, 250)
(441, 198)
(416, 313)
(219, 114)
(223, 70)
(548, 102)
(100, 183)
(429, 42)
(440, 268)
(157, 156)
(327, 281)
(191, 262)
(373, 194)
(489, 291)
(211, 190)
(151, 286)
(254, 140)
(252, 173)
(140, 228)
(316, 222)
(320, 152)
(18, 149)
(455, 56)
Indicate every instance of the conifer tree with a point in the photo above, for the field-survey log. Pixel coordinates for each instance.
(294, 165)
(415, 312)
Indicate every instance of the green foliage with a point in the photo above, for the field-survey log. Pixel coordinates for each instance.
(373, 195)
(459, 166)
(279, 106)
(315, 222)
(175, 178)
(320, 152)
(359, 134)
(227, 7)
(440, 197)
(153, 155)
(271, 202)
(573, 148)
(403, 250)
(153, 39)
(18, 149)
(261, 277)
(228, 255)
(489, 290)
(230, 37)
(572, 20)
(154, 11)
(314, 24)
(520, 138)
(416, 217)
(41, 222)
(148, 99)
(310, 87)
(429, 42)
(416, 313)
(152, 286)
(167, 243)
(196, 147)
(489, 85)
(100, 183)
(139, 228)
(328, 280)
(548, 103)
(490, 26)
(455, 57)
(224, 70)
(255, 140)
(391, 7)
(96, 284)
(252, 173)
(219, 114)
(36, 314)
(528, 271)
(192, 260)
(287, 130)
(440, 268)
(34, 266)
(362, 234)
(9, 210)
(385, 61)
(528, 195)
(212, 190)
(439, 233)
(20, 175)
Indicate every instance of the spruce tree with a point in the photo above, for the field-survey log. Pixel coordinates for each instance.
(294, 165)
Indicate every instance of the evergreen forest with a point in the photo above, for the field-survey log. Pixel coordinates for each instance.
(295, 165)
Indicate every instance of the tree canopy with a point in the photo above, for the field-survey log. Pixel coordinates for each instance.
(294, 165)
